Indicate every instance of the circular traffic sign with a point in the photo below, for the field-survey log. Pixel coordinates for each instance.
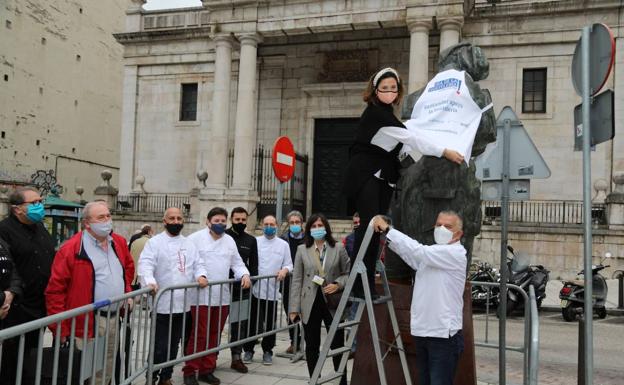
(283, 159)
(601, 58)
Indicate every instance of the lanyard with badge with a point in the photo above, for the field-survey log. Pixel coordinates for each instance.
(320, 279)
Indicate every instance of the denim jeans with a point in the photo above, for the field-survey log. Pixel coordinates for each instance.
(437, 358)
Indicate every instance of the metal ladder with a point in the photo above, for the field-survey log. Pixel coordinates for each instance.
(359, 269)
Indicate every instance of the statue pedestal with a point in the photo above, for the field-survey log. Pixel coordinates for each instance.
(364, 367)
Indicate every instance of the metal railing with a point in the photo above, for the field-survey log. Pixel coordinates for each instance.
(251, 319)
(543, 211)
(151, 203)
(530, 346)
(69, 355)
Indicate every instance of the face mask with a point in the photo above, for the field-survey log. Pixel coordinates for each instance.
(318, 233)
(102, 229)
(239, 227)
(269, 231)
(295, 229)
(217, 228)
(174, 228)
(442, 235)
(35, 212)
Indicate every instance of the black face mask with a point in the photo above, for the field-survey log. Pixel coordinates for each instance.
(239, 228)
(174, 228)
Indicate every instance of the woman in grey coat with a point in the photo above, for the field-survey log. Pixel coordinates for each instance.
(321, 269)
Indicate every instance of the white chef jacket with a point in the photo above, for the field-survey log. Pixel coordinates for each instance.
(168, 261)
(437, 300)
(219, 256)
(273, 256)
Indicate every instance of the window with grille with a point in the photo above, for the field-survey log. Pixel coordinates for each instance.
(188, 102)
(534, 90)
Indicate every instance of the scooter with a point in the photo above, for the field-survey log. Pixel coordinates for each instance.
(572, 293)
(522, 274)
(481, 296)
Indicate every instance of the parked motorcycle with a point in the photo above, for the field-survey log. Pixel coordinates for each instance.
(572, 293)
(484, 272)
(522, 274)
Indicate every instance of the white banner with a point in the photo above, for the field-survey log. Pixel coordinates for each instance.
(446, 115)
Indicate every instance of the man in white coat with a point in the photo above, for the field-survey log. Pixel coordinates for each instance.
(273, 259)
(170, 259)
(437, 300)
(219, 253)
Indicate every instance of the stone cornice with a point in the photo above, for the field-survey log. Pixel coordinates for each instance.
(225, 4)
(206, 32)
(503, 9)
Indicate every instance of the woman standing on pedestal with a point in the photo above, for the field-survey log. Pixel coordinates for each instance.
(373, 169)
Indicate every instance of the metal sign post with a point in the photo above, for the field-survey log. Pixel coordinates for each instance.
(283, 161)
(587, 231)
(502, 323)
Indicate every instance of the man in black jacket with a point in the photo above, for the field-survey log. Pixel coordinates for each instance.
(239, 307)
(294, 237)
(32, 250)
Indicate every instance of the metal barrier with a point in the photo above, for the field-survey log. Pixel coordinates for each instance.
(264, 305)
(74, 357)
(530, 347)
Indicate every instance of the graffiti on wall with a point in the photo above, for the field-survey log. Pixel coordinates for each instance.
(45, 181)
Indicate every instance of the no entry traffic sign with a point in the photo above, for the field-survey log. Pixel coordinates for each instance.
(601, 58)
(283, 159)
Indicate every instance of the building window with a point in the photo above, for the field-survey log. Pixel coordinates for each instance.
(534, 90)
(188, 102)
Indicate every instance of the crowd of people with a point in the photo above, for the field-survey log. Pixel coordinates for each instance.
(302, 267)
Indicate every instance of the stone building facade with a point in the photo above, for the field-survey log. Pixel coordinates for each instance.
(60, 92)
(254, 70)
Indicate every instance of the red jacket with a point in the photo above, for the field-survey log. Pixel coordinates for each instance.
(72, 280)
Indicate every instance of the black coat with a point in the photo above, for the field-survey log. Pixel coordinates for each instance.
(248, 250)
(365, 158)
(32, 250)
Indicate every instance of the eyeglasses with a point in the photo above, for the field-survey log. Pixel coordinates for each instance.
(35, 201)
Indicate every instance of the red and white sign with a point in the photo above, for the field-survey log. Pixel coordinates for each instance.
(283, 159)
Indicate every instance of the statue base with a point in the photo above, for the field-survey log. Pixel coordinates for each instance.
(364, 367)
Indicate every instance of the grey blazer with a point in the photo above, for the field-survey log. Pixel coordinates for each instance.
(303, 290)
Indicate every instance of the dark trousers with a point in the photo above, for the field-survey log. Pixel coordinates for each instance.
(437, 358)
(373, 199)
(262, 319)
(320, 313)
(10, 347)
(162, 336)
(285, 302)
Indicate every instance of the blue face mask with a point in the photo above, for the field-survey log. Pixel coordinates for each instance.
(295, 229)
(269, 231)
(318, 233)
(217, 228)
(35, 212)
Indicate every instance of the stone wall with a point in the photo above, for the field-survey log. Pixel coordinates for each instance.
(559, 249)
(60, 104)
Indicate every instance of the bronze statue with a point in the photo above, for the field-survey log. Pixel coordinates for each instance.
(432, 184)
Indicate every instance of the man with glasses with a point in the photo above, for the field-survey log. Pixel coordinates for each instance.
(32, 250)
(294, 236)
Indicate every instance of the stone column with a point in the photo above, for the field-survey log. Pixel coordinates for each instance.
(128, 126)
(419, 54)
(213, 154)
(245, 133)
(450, 31)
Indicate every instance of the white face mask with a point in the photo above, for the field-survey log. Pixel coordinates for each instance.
(102, 229)
(442, 235)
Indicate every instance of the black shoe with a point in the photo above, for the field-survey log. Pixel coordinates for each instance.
(190, 380)
(209, 378)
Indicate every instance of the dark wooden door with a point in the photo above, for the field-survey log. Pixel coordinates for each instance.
(332, 139)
